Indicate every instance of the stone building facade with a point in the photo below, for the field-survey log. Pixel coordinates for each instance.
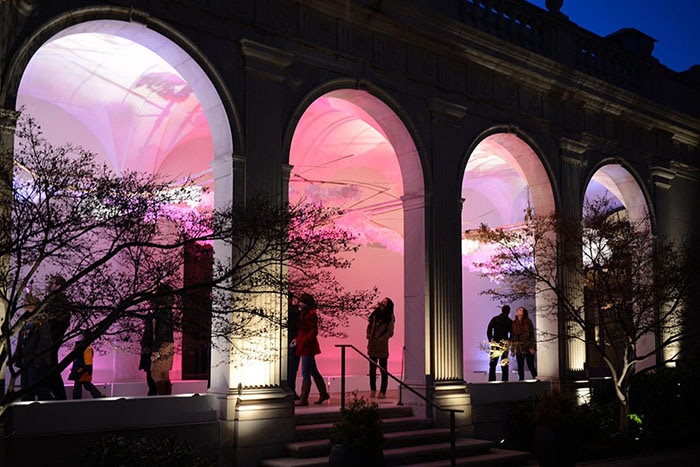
(437, 78)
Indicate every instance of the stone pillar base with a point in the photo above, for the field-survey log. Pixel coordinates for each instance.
(454, 396)
(255, 424)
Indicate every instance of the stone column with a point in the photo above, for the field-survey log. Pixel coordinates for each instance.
(569, 361)
(8, 120)
(662, 178)
(444, 234)
(257, 415)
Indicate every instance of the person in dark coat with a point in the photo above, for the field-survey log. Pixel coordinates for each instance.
(147, 353)
(59, 313)
(33, 354)
(524, 343)
(164, 350)
(292, 330)
(307, 349)
(379, 330)
(499, 334)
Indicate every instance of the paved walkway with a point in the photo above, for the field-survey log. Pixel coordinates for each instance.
(688, 457)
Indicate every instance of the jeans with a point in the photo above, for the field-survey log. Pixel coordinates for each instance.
(373, 374)
(530, 358)
(308, 368)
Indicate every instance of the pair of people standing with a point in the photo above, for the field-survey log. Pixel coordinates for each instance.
(516, 336)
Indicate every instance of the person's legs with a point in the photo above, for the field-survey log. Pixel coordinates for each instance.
(531, 364)
(373, 377)
(492, 368)
(77, 390)
(521, 366)
(385, 377)
(152, 389)
(306, 362)
(320, 383)
(504, 366)
(94, 392)
(56, 384)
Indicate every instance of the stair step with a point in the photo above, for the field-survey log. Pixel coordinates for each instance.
(390, 425)
(322, 447)
(428, 452)
(495, 457)
(468, 450)
(314, 416)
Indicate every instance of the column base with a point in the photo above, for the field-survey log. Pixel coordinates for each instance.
(255, 424)
(454, 395)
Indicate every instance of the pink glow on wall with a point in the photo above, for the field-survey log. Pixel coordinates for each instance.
(103, 86)
(342, 156)
(121, 100)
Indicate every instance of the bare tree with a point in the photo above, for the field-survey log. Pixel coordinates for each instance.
(606, 279)
(116, 238)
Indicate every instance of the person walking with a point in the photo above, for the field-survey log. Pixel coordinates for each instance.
(307, 349)
(379, 330)
(147, 353)
(292, 331)
(524, 343)
(33, 354)
(164, 350)
(499, 333)
(81, 372)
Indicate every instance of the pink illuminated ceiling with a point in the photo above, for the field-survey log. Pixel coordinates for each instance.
(341, 156)
(120, 99)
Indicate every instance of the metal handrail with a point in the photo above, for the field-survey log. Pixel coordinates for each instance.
(453, 436)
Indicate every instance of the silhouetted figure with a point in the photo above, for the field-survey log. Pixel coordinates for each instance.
(499, 334)
(292, 330)
(147, 353)
(524, 343)
(81, 373)
(33, 354)
(58, 309)
(379, 330)
(164, 351)
(307, 349)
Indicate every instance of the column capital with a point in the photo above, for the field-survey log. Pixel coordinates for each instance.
(573, 152)
(268, 61)
(662, 176)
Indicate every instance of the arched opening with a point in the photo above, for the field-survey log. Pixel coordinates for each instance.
(140, 102)
(350, 150)
(504, 183)
(627, 201)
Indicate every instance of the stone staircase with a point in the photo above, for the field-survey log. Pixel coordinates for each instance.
(410, 440)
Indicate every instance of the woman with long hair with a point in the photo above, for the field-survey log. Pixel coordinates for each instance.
(379, 330)
(524, 343)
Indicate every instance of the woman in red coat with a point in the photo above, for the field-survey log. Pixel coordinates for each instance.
(307, 349)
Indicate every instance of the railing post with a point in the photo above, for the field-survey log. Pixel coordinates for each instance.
(453, 440)
(342, 377)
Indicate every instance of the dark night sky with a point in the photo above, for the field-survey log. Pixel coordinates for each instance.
(675, 24)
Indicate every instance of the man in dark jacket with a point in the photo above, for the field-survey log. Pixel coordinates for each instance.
(499, 333)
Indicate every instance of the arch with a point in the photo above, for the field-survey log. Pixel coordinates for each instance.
(505, 180)
(621, 181)
(157, 36)
(187, 86)
(337, 106)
